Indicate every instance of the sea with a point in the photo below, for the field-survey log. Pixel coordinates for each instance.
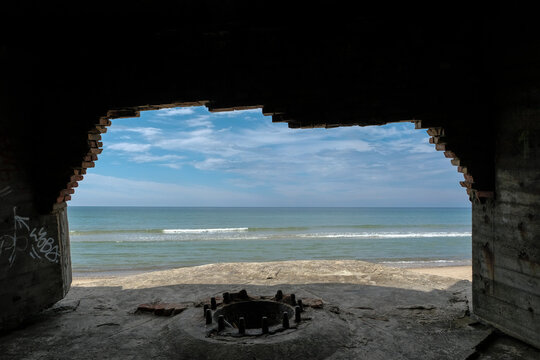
(125, 240)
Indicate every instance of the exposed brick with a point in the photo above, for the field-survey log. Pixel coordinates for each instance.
(314, 303)
(95, 137)
(440, 147)
(67, 192)
(95, 150)
(104, 122)
(123, 113)
(162, 310)
(146, 307)
(72, 185)
(449, 154)
(435, 131)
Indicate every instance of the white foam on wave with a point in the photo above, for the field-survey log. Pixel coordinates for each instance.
(389, 235)
(202, 231)
(421, 261)
(426, 263)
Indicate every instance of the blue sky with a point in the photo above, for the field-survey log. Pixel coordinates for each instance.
(191, 157)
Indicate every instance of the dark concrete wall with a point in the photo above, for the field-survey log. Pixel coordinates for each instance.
(35, 269)
(506, 229)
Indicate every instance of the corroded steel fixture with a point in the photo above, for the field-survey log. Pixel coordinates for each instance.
(297, 312)
(241, 326)
(269, 326)
(285, 322)
(242, 294)
(242, 315)
(264, 325)
(221, 323)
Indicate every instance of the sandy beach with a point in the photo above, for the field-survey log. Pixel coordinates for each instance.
(454, 272)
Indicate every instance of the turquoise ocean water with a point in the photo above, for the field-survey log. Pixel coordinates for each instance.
(135, 239)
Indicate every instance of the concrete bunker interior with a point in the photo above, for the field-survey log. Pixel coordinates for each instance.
(467, 74)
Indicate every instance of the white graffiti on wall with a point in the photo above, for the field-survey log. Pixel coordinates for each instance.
(5, 191)
(35, 243)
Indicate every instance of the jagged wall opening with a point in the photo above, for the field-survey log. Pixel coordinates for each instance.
(413, 170)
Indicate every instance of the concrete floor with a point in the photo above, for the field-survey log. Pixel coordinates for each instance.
(388, 314)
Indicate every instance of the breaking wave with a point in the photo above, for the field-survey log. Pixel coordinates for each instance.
(389, 235)
(202, 231)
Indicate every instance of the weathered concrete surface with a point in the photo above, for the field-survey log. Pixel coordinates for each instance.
(506, 229)
(390, 313)
(35, 267)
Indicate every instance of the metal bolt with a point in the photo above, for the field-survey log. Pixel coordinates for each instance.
(242, 326)
(297, 312)
(286, 324)
(226, 298)
(279, 295)
(205, 307)
(221, 323)
(265, 325)
(208, 316)
(242, 294)
(213, 304)
(299, 302)
(293, 299)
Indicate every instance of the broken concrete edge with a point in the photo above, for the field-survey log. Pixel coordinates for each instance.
(162, 309)
(499, 330)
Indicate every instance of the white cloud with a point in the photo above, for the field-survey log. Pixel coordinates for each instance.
(175, 111)
(129, 147)
(148, 132)
(211, 164)
(200, 121)
(147, 158)
(237, 112)
(172, 166)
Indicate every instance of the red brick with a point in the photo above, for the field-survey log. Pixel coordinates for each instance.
(314, 303)
(146, 308)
